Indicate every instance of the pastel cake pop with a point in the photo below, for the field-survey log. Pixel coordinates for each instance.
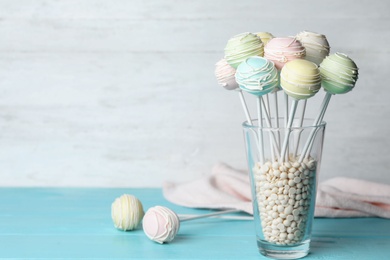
(316, 45)
(160, 224)
(225, 75)
(242, 46)
(300, 79)
(257, 76)
(126, 212)
(282, 50)
(339, 73)
(265, 37)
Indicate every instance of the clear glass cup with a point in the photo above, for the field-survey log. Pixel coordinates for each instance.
(284, 189)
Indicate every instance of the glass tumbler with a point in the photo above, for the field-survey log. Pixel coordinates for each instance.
(284, 185)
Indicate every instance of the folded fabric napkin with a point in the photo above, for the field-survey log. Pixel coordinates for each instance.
(228, 188)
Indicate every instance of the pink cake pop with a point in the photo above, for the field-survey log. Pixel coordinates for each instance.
(225, 75)
(161, 224)
(281, 50)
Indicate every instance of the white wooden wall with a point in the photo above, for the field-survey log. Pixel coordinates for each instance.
(123, 93)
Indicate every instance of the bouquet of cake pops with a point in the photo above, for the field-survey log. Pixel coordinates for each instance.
(263, 66)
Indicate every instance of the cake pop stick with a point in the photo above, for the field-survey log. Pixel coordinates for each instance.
(300, 79)
(285, 108)
(258, 76)
(244, 107)
(317, 121)
(276, 109)
(215, 214)
(286, 112)
(260, 133)
(161, 224)
(339, 75)
(273, 142)
(267, 106)
(288, 130)
(300, 125)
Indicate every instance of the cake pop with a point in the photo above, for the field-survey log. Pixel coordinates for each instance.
(265, 37)
(161, 224)
(316, 45)
(225, 75)
(339, 75)
(300, 79)
(126, 212)
(258, 76)
(242, 46)
(282, 50)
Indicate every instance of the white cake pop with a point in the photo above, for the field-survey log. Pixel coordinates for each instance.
(126, 212)
(161, 224)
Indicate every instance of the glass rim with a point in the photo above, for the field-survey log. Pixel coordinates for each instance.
(246, 125)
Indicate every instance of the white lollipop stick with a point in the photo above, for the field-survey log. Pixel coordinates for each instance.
(275, 95)
(285, 109)
(245, 107)
(260, 119)
(272, 135)
(288, 129)
(300, 125)
(210, 215)
(267, 107)
(306, 149)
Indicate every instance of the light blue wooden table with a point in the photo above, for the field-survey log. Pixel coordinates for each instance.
(75, 223)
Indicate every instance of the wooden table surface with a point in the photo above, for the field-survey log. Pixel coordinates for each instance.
(75, 223)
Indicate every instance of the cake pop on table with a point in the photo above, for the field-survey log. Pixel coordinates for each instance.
(161, 224)
(126, 212)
